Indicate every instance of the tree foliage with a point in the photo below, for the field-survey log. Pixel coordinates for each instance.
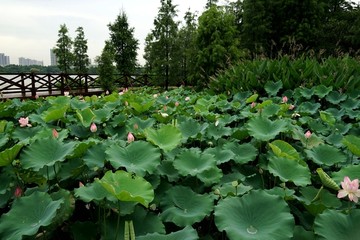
(106, 68)
(123, 44)
(161, 45)
(63, 49)
(81, 58)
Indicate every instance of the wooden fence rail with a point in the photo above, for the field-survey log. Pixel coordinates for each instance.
(26, 85)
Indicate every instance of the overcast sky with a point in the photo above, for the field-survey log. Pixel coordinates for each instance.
(29, 28)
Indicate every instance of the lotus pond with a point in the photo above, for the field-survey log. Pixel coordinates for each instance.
(181, 164)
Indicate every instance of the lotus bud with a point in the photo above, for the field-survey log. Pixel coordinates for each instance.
(308, 134)
(291, 107)
(284, 99)
(136, 126)
(55, 133)
(130, 137)
(253, 104)
(18, 192)
(93, 128)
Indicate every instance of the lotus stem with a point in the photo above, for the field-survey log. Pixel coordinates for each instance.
(318, 194)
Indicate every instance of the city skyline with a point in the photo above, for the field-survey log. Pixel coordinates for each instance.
(29, 29)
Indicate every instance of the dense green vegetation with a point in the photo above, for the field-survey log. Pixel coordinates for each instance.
(182, 165)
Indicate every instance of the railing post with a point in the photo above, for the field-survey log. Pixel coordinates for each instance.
(62, 84)
(23, 92)
(86, 83)
(33, 89)
(49, 84)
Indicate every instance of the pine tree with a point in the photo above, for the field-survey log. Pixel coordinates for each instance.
(81, 59)
(163, 46)
(124, 44)
(106, 69)
(63, 50)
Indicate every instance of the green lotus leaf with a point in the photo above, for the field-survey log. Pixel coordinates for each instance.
(221, 155)
(45, 152)
(256, 215)
(187, 233)
(335, 97)
(289, 170)
(228, 189)
(67, 207)
(283, 149)
(138, 157)
(272, 88)
(184, 207)
(77, 104)
(244, 153)
(313, 141)
(22, 134)
(27, 215)
(54, 113)
(285, 193)
(211, 176)
(326, 154)
(311, 196)
(252, 98)
(308, 108)
(145, 222)
(167, 170)
(140, 104)
(102, 114)
(352, 171)
(350, 104)
(270, 110)
(9, 155)
(264, 129)
(93, 191)
(128, 187)
(166, 137)
(141, 123)
(307, 92)
(321, 91)
(95, 156)
(327, 117)
(192, 162)
(352, 143)
(217, 132)
(4, 138)
(86, 116)
(334, 225)
(300, 234)
(189, 127)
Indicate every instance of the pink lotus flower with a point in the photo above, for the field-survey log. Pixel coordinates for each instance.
(308, 134)
(93, 128)
(284, 99)
(24, 122)
(349, 188)
(18, 192)
(130, 137)
(253, 104)
(55, 133)
(67, 94)
(291, 107)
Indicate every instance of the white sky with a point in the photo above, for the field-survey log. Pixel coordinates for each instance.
(29, 28)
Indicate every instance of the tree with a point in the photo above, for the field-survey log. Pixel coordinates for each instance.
(81, 59)
(163, 46)
(187, 47)
(211, 3)
(124, 44)
(63, 50)
(106, 68)
(217, 41)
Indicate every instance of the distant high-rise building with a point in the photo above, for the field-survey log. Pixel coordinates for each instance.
(4, 60)
(53, 59)
(28, 62)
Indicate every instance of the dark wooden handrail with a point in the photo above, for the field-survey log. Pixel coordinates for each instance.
(26, 85)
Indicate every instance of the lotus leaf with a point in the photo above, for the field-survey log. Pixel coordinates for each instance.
(211, 176)
(27, 215)
(252, 98)
(335, 225)
(54, 113)
(187, 233)
(352, 143)
(93, 191)
(128, 187)
(221, 155)
(327, 117)
(289, 170)
(352, 171)
(192, 162)
(272, 88)
(256, 215)
(138, 157)
(95, 156)
(166, 137)
(45, 152)
(217, 132)
(264, 129)
(9, 155)
(326, 154)
(184, 207)
(283, 149)
(243, 153)
(321, 91)
(86, 116)
(335, 97)
(308, 108)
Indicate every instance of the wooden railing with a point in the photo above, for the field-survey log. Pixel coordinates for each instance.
(25, 85)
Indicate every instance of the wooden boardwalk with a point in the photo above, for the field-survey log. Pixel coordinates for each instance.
(31, 85)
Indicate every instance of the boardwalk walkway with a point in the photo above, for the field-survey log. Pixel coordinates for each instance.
(30, 85)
